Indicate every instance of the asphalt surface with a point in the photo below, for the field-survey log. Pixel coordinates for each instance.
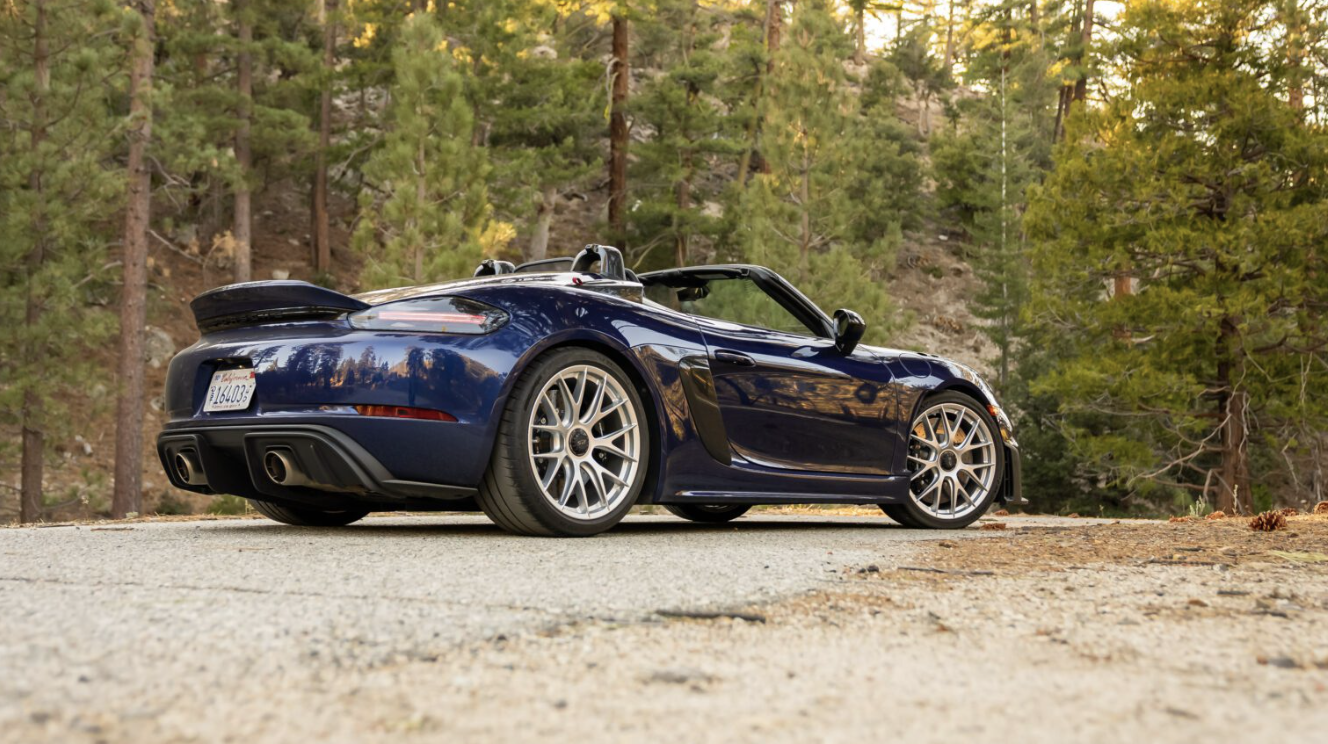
(104, 624)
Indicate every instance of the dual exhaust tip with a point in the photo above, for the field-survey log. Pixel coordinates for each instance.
(281, 468)
(277, 463)
(188, 470)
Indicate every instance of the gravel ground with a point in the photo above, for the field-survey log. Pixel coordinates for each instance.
(443, 628)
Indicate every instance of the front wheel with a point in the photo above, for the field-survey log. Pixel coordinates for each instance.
(304, 516)
(955, 464)
(709, 513)
(572, 448)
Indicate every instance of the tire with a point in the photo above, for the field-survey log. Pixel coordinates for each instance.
(304, 516)
(709, 513)
(962, 477)
(557, 470)
(899, 513)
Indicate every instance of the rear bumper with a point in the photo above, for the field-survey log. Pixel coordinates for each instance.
(334, 469)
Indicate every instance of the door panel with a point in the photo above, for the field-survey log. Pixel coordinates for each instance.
(793, 402)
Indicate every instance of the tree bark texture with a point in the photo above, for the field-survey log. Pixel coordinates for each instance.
(128, 495)
(618, 132)
(243, 232)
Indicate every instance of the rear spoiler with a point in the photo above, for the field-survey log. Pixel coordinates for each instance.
(256, 303)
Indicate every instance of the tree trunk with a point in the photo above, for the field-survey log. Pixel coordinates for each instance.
(421, 194)
(1295, 30)
(860, 35)
(1233, 495)
(950, 40)
(321, 229)
(680, 247)
(34, 437)
(774, 16)
(1086, 36)
(804, 205)
(128, 496)
(618, 134)
(1067, 91)
(539, 242)
(243, 232)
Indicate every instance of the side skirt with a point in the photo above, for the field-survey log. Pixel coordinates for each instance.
(894, 489)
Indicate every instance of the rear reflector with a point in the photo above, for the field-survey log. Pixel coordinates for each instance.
(425, 414)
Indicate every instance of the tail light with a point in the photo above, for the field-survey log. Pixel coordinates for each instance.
(423, 414)
(432, 315)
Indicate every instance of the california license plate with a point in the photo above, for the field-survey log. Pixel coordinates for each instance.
(231, 390)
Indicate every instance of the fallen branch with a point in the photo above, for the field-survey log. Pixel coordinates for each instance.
(707, 615)
(175, 247)
(947, 571)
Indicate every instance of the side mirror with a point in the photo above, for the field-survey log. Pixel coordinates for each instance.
(849, 327)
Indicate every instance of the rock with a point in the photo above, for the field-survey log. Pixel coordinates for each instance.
(158, 403)
(679, 676)
(280, 274)
(1228, 551)
(1281, 662)
(158, 347)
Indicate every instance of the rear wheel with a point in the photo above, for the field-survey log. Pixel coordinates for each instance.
(572, 448)
(955, 464)
(709, 513)
(899, 513)
(304, 516)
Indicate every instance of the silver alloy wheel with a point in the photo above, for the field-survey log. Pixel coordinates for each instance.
(585, 442)
(951, 461)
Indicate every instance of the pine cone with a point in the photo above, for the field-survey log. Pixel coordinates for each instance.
(1268, 522)
(1290, 511)
(1219, 514)
(1321, 507)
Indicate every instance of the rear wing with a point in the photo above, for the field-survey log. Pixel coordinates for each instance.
(257, 303)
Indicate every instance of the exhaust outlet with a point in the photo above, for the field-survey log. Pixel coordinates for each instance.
(281, 468)
(188, 470)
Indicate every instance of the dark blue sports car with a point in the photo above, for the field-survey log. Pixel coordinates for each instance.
(555, 395)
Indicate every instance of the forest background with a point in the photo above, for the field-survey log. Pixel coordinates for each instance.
(1119, 211)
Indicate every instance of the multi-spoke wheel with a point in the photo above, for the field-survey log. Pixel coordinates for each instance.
(572, 448)
(955, 463)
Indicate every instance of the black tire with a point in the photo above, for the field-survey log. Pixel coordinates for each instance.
(899, 513)
(304, 516)
(709, 513)
(910, 514)
(510, 493)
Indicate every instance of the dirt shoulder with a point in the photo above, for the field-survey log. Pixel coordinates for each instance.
(1121, 632)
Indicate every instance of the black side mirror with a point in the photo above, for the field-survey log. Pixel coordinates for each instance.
(849, 327)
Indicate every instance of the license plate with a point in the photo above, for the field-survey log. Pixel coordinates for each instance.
(231, 390)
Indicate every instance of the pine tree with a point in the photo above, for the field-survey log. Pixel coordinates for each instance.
(54, 193)
(983, 167)
(543, 111)
(800, 216)
(1205, 187)
(425, 207)
(691, 135)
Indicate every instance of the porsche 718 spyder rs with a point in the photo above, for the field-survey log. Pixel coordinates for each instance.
(555, 395)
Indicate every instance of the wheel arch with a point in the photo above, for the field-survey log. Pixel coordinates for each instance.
(982, 399)
(627, 362)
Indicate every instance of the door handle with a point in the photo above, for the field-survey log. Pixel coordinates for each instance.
(733, 357)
